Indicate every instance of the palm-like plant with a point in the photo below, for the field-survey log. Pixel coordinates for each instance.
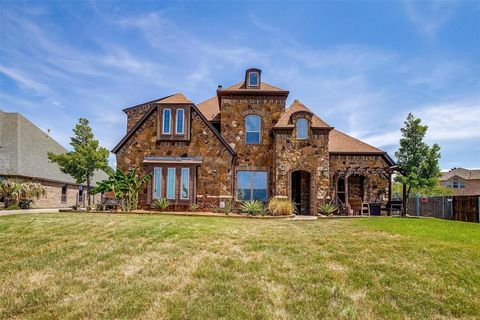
(252, 207)
(328, 208)
(15, 192)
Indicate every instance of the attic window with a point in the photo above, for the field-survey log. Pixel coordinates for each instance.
(253, 79)
(302, 128)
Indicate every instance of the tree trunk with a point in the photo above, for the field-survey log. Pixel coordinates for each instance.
(404, 200)
(88, 194)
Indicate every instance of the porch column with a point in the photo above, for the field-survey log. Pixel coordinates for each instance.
(347, 204)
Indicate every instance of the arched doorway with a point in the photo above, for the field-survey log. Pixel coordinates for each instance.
(301, 191)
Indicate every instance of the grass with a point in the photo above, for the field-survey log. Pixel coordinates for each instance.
(153, 267)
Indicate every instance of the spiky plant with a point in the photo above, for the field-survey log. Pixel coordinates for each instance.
(160, 204)
(328, 209)
(281, 207)
(252, 207)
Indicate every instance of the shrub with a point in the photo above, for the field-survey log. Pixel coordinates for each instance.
(193, 207)
(160, 204)
(252, 207)
(25, 203)
(328, 208)
(281, 207)
(13, 207)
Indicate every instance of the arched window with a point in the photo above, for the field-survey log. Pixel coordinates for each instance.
(302, 128)
(179, 122)
(167, 119)
(252, 129)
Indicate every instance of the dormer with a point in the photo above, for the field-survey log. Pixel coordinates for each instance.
(253, 78)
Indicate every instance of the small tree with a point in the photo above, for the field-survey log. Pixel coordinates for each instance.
(418, 162)
(86, 158)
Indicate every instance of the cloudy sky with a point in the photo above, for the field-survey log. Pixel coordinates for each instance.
(361, 66)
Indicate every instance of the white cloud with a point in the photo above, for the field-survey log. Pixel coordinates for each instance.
(429, 16)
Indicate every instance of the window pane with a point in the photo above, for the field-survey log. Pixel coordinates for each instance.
(157, 183)
(253, 138)
(185, 183)
(259, 185)
(166, 121)
(243, 185)
(171, 183)
(252, 129)
(253, 79)
(180, 113)
(302, 128)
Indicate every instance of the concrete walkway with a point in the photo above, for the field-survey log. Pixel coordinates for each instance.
(12, 212)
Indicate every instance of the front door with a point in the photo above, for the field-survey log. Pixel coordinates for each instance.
(301, 191)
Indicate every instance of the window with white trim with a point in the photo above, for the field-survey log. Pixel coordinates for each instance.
(157, 183)
(252, 129)
(179, 127)
(185, 184)
(302, 128)
(171, 183)
(252, 185)
(167, 121)
(253, 79)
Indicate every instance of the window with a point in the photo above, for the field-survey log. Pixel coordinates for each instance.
(253, 79)
(302, 128)
(252, 185)
(166, 121)
(185, 183)
(157, 183)
(458, 184)
(179, 125)
(63, 198)
(171, 183)
(252, 129)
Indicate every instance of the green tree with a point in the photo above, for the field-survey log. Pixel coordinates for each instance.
(418, 161)
(86, 158)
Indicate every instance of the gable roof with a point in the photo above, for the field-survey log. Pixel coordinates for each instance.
(210, 109)
(177, 98)
(24, 150)
(241, 86)
(461, 173)
(152, 109)
(297, 106)
(340, 142)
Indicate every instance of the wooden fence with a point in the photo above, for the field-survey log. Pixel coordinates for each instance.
(462, 208)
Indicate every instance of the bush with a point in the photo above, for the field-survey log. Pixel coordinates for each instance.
(252, 207)
(160, 204)
(25, 203)
(281, 207)
(328, 209)
(13, 207)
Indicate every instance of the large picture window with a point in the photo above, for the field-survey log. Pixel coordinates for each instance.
(180, 121)
(185, 181)
(302, 128)
(252, 129)
(167, 121)
(171, 183)
(252, 185)
(157, 183)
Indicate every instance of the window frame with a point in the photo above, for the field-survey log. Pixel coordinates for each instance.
(183, 121)
(187, 175)
(64, 195)
(167, 191)
(169, 121)
(259, 129)
(251, 183)
(297, 125)
(160, 178)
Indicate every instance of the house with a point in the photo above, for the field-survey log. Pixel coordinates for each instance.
(244, 144)
(23, 157)
(464, 182)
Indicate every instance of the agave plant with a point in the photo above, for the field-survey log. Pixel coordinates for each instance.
(160, 204)
(252, 207)
(328, 208)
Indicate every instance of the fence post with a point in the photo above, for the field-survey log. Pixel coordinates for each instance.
(443, 207)
(478, 210)
(418, 205)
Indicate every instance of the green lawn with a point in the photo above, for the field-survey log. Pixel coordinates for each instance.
(154, 267)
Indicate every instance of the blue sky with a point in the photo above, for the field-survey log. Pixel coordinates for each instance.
(361, 66)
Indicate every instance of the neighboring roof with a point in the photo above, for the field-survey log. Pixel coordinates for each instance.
(465, 174)
(24, 151)
(210, 109)
(177, 98)
(339, 142)
(297, 106)
(147, 115)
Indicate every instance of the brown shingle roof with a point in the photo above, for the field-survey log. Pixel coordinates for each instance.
(340, 142)
(175, 98)
(263, 87)
(210, 109)
(297, 106)
(461, 173)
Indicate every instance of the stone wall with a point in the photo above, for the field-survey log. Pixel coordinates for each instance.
(214, 176)
(375, 186)
(309, 155)
(232, 123)
(135, 114)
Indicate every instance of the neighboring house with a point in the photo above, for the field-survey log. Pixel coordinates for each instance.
(463, 181)
(23, 157)
(244, 144)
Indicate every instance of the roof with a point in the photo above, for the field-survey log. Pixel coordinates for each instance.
(210, 109)
(340, 142)
(24, 151)
(263, 87)
(297, 106)
(186, 160)
(177, 98)
(465, 174)
(148, 114)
